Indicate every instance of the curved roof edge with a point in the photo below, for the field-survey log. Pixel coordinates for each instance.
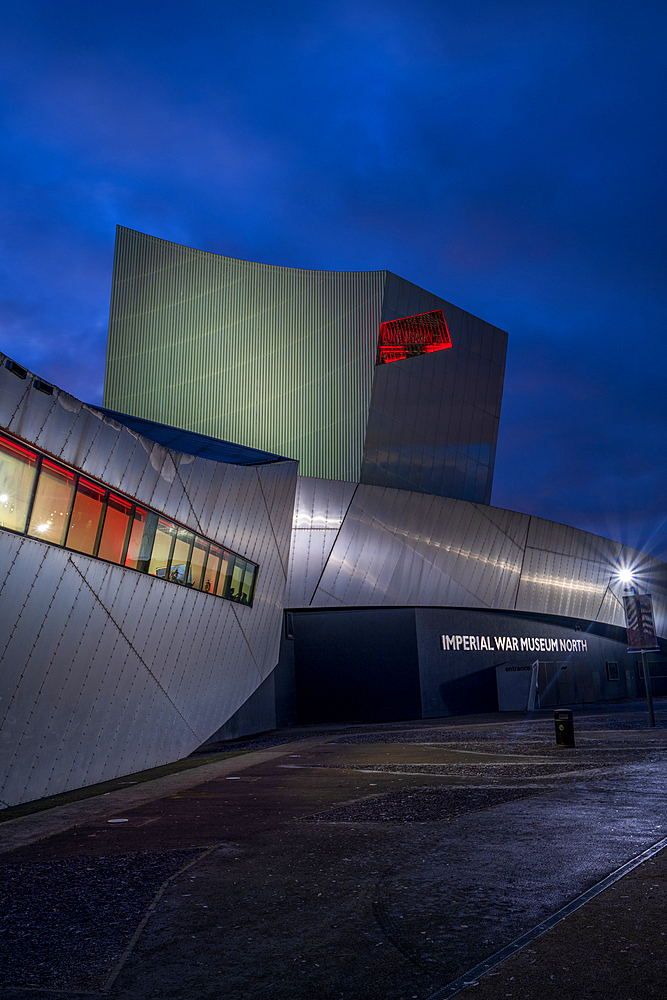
(172, 438)
(192, 443)
(371, 546)
(242, 260)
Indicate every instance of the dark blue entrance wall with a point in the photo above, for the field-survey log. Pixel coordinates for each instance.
(368, 664)
(356, 665)
(464, 680)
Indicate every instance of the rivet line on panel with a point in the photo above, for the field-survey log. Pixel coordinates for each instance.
(523, 560)
(187, 497)
(134, 650)
(75, 706)
(27, 662)
(45, 677)
(268, 514)
(7, 575)
(18, 405)
(242, 630)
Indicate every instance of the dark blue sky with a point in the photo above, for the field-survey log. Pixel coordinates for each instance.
(508, 156)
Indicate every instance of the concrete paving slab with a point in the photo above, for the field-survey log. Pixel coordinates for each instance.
(322, 878)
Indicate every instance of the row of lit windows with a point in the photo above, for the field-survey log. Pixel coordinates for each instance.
(42, 499)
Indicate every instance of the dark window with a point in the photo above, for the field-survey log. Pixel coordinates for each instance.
(16, 369)
(612, 671)
(42, 386)
(657, 668)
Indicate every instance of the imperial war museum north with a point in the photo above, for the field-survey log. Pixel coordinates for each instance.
(280, 513)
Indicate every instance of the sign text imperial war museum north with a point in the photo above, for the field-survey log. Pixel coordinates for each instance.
(512, 643)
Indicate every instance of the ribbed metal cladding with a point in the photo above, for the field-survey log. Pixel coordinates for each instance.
(276, 358)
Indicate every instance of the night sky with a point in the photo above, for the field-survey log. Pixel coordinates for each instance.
(509, 157)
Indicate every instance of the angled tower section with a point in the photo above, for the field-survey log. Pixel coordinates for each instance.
(435, 407)
(361, 376)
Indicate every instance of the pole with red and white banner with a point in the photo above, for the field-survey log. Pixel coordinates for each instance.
(641, 637)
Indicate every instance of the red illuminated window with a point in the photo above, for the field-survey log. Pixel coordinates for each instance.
(412, 336)
(114, 532)
(64, 508)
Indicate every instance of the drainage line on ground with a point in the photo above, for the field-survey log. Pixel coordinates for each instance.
(151, 909)
(470, 977)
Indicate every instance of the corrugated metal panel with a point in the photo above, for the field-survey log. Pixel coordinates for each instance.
(275, 358)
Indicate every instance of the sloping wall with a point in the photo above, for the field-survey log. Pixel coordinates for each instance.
(433, 420)
(103, 670)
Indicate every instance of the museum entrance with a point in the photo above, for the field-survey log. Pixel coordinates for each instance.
(566, 682)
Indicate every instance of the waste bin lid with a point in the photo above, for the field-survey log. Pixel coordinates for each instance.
(565, 714)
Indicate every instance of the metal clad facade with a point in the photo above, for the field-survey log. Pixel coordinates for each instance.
(389, 548)
(433, 420)
(283, 359)
(104, 670)
(270, 357)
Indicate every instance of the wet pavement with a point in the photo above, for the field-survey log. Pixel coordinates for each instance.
(353, 862)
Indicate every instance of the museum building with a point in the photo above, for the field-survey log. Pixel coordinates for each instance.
(142, 578)
(389, 397)
(167, 578)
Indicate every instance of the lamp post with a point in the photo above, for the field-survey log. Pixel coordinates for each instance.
(640, 630)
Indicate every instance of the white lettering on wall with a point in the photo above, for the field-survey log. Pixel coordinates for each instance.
(512, 643)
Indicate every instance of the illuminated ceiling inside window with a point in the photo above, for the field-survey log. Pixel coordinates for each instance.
(413, 335)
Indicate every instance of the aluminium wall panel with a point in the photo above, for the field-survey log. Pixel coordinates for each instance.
(510, 522)
(33, 411)
(53, 431)
(95, 657)
(396, 548)
(196, 339)
(49, 662)
(13, 390)
(433, 419)
(310, 551)
(136, 459)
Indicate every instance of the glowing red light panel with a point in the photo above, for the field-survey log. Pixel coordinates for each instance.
(413, 335)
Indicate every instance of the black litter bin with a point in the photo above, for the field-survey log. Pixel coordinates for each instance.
(564, 728)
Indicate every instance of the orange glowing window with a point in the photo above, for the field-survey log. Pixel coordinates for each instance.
(412, 336)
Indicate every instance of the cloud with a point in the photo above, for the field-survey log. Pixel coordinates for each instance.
(509, 157)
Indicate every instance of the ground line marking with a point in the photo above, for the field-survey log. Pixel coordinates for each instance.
(470, 977)
(118, 968)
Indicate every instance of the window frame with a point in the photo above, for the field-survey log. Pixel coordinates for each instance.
(133, 504)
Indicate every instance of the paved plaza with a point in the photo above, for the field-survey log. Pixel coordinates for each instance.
(382, 862)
